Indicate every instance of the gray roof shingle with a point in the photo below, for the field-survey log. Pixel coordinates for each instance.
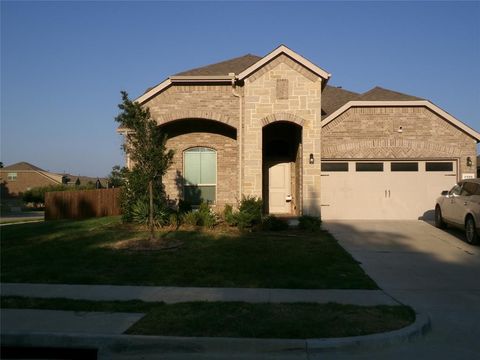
(235, 65)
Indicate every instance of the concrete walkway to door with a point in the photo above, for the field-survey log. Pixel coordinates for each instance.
(432, 270)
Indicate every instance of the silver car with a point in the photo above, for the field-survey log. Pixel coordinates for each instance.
(460, 207)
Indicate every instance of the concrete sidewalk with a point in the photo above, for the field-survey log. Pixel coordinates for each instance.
(184, 294)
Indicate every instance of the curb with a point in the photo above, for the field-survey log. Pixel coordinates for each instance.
(111, 345)
(411, 332)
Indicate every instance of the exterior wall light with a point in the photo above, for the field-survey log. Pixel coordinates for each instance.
(311, 160)
(469, 160)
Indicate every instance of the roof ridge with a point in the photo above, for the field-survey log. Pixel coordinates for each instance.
(379, 88)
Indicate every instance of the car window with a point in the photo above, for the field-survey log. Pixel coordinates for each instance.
(456, 190)
(469, 189)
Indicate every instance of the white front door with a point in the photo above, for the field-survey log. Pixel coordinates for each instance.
(280, 189)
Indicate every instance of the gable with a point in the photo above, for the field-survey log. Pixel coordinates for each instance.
(296, 58)
(449, 119)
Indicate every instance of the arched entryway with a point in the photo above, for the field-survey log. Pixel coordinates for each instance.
(282, 168)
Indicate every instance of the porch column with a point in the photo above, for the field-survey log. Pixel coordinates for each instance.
(311, 137)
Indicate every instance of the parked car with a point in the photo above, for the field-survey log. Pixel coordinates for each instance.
(460, 207)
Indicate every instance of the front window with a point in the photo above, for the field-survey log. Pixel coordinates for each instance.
(200, 172)
(12, 176)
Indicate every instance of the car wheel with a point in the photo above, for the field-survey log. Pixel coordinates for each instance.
(439, 223)
(471, 231)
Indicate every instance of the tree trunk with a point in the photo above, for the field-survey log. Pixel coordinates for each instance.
(150, 220)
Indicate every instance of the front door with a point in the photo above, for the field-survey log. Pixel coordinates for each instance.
(280, 189)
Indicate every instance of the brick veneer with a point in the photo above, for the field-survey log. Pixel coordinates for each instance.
(26, 179)
(214, 102)
(373, 132)
(227, 160)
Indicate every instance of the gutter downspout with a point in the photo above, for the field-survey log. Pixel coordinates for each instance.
(239, 134)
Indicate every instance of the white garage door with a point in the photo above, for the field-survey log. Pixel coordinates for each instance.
(384, 189)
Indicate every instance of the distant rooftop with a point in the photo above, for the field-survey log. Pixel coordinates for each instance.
(22, 166)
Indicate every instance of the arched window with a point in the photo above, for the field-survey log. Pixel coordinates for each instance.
(200, 175)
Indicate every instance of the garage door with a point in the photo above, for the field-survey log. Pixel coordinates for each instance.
(384, 189)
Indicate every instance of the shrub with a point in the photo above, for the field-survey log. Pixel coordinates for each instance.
(206, 216)
(141, 211)
(250, 212)
(309, 223)
(229, 216)
(273, 223)
(175, 219)
(191, 218)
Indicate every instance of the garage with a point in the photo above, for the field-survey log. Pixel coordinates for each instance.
(377, 189)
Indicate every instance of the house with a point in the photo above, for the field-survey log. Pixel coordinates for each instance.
(478, 166)
(271, 127)
(20, 177)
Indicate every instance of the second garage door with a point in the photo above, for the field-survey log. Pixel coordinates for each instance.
(384, 189)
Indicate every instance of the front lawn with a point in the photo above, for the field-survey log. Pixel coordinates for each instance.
(93, 252)
(239, 319)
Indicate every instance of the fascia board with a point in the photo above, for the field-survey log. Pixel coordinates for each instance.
(282, 49)
(154, 91)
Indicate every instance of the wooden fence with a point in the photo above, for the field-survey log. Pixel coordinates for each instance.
(82, 204)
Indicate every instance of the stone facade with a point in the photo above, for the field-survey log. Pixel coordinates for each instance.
(396, 133)
(262, 105)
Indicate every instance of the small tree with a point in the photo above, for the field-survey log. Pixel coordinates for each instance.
(145, 144)
(116, 178)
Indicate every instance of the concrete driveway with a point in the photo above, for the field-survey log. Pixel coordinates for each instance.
(432, 270)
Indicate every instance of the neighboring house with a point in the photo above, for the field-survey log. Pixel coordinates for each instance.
(22, 176)
(271, 127)
(478, 166)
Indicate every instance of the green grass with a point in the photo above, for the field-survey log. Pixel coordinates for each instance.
(237, 319)
(22, 220)
(82, 252)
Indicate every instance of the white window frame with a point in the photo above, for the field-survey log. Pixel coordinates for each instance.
(12, 176)
(216, 172)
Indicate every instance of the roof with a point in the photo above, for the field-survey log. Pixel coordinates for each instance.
(227, 71)
(22, 166)
(333, 98)
(381, 94)
(235, 65)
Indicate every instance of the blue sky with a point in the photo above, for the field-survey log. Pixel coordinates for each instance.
(63, 64)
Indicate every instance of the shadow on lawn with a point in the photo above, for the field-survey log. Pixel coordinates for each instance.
(83, 252)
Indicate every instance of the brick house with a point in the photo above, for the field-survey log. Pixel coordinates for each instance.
(271, 127)
(17, 178)
(20, 177)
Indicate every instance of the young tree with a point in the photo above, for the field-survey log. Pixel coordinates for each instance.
(145, 145)
(116, 178)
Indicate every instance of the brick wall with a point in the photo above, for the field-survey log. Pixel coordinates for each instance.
(215, 102)
(25, 180)
(373, 132)
(227, 165)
